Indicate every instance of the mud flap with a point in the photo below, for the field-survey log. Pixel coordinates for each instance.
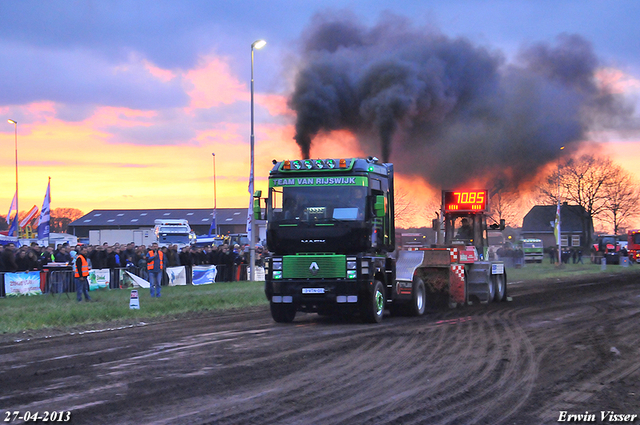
(457, 285)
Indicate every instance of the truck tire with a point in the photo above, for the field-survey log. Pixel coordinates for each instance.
(500, 287)
(283, 313)
(492, 289)
(418, 298)
(372, 305)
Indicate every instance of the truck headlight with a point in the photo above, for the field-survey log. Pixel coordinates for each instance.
(277, 265)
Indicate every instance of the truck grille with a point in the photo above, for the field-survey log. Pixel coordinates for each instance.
(314, 266)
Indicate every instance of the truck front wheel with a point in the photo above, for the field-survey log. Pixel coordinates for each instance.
(283, 313)
(372, 306)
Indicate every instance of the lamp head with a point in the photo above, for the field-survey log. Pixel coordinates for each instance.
(12, 121)
(258, 44)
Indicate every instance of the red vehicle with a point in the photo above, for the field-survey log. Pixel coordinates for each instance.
(606, 246)
(633, 245)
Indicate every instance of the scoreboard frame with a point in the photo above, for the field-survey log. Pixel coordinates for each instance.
(465, 201)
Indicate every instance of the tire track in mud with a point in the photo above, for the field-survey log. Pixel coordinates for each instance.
(617, 319)
(479, 364)
(404, 375)
(304, 385)
(494, 382)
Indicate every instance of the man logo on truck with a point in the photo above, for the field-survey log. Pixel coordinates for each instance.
(314, 268)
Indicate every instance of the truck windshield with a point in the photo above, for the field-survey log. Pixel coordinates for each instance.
(173, 238)
(318, 204)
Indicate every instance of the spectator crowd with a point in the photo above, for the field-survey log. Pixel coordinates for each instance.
(229, 260)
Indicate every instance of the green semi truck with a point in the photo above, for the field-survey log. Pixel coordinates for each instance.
(533, 250)
(330, 235)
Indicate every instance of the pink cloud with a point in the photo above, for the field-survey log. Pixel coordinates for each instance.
(213, 84)
(276, 104)
(616, 81)
(163, 75)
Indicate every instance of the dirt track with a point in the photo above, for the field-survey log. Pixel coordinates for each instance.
(569, 346)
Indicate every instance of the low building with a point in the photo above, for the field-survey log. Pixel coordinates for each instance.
(575, 230)
(124, 226)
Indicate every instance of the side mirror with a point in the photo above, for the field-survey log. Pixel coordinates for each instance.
(257, 211)
(435, 224)
(502, 224)
(378, 206)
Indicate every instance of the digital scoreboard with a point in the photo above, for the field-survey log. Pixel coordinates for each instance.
(465, 200)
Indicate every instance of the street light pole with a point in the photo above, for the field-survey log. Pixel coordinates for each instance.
(559, 217)
(258, 44)
(215, 198)
(15, 125)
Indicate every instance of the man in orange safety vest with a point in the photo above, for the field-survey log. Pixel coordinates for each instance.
(81, 274)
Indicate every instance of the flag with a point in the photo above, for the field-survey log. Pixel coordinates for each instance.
(13, 207)
(250, 212)
(13, 229)
(45, 218)
(30, 215)
(212, 228)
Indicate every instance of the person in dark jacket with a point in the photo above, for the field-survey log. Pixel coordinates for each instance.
(62, 256)
(99, 257)
(9, 259)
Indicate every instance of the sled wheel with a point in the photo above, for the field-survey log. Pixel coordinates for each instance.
(500, 287)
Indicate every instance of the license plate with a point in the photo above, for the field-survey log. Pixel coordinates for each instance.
(313, 290)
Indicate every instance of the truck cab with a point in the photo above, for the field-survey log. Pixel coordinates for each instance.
(533, 250)
(174, 232)
(329, 228)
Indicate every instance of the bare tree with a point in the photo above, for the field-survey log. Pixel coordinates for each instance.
(622, 197)
(505, 205)
(61, 217)
(581, 181)
(405, 209)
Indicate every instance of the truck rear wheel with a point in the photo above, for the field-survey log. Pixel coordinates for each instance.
(372, 306)
(500, 285)
(418, 298)
(283, 313)
(492, 289)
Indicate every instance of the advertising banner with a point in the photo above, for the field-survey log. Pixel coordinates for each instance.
(99, 278)
(177, 275)
(259, 273)
(203, 275)
(27, 283)
(137, 281)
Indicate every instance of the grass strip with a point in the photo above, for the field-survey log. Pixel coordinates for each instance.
(60, 311)
(110, 305)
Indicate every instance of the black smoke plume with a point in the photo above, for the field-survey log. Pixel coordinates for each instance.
(445, 108)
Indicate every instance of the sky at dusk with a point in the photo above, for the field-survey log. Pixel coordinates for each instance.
(123, 103)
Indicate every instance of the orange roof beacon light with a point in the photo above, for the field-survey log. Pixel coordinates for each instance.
(287, 165)
(343, 163)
